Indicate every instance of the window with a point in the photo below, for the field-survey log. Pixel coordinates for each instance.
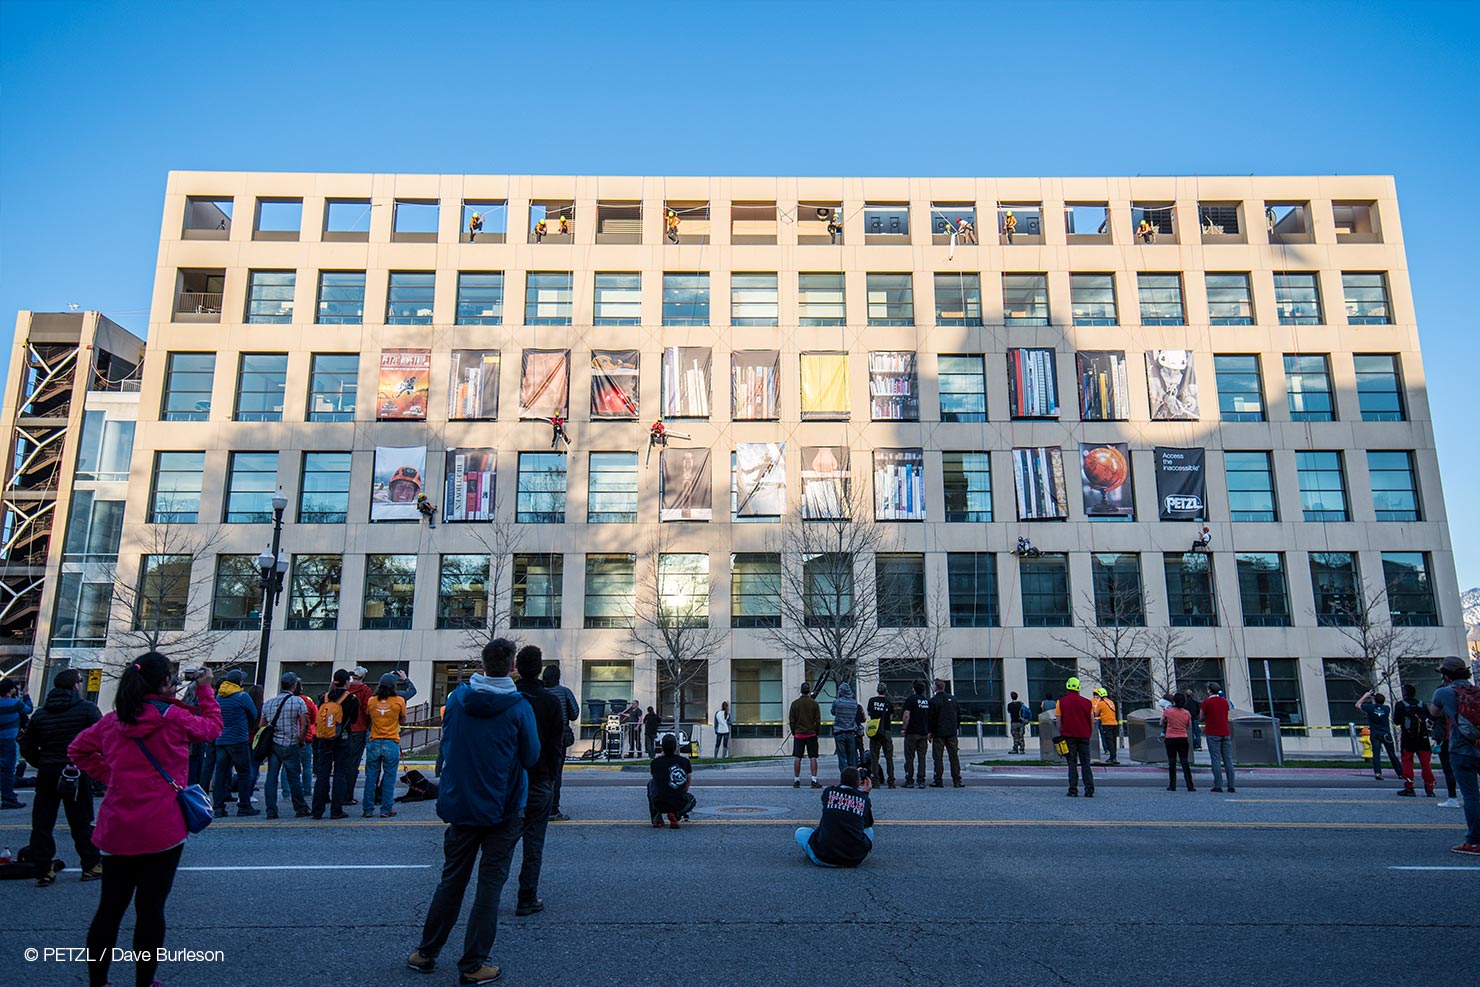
(1287, 222)
(1240, 391)
(958, 299)
(891, 299)
(390, 589)
(480, 298)
(1250, 486)
(827, 589)
(1278, 679)
(683, 589)
(237, 596)
(606, 682)
(1045, 588)
(1410, 594)
(1117, 585)
(756, 699)
(175, 494)
(541, 494)
(94, 529)
(1379, 387)
(963, 387)
(1092, 299)
(1161, 299)
(755, 589)
(899, 580)
(894, 386)
(1394, 486)
(187, 387)
(692, 688)
(408, 299)
(753, 300)
(1322, 486)
(346, 220)
(1297, 299)
(886, 220)
(104, 448)
(1333, 579)
(278, 219)
(462, 592)
(1025, 299)
(313, 593)
(493, 221)
(618, 300)
(1308, 388)
(82, 609)
(1229, 301)
(207, 217)
(250, 483)
(261, 383)
(1190, 600)
(341, 298)
(686, 299)
(556, 216)
(971, 584)
(199, 293)
(820, 300)
(414, 221)
(1046, 680)
(1087, 222)
(548, 298)
(611, 590)
(1344, 686)
(163, 594)
(1160, 216)
(324, 498)
(1366, 299)
(1218, 220)
(1262, 590)
(611, 495)
(333, 382)
(537, 590)
(967, 478)
(270, 296)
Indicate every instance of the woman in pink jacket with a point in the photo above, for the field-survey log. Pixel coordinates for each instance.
(140, 826)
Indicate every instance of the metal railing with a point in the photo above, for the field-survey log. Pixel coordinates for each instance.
(198, 303)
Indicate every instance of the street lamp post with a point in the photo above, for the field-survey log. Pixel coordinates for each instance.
(272, 568)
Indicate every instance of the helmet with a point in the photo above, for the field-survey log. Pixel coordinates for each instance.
(1073, 684)
(405, 474)
(1101, 693)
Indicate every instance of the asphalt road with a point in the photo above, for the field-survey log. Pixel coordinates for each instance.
(1006, 881)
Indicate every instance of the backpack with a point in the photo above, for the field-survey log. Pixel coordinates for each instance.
(1468, 723)
(331, 720)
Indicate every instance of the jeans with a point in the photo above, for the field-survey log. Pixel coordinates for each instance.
(1467, 778)
(382, 759)
(939, 746)
(650, 743)
(1108, 736)
(1079, 760)
(208, 767)
(881, 749)
(1019, 742)
(9, 755)
(45, 802)
(804, 840)
(351, 771)
(555, 783)
(288, 760)
(1220, 753)
(1448, 768)
(678, 803)
(846, 746)
(1381, 742)
(1178, 747)
(722, 743)
(914, 751)
(1426, 768)
(145, 879)
(197, 763)
(1197, 735)
(461, 846)
(536, 821)
(231, 757)
(305, 770)
(333, 760)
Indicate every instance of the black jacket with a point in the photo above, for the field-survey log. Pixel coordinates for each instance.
(549, 724)
(945, 715)
(840, 838)
(64, 715)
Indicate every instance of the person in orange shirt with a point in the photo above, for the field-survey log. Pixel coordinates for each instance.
(1104, 711)
(387, 709)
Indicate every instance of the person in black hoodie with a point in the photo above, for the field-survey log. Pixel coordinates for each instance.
(549, 723)
(845, 835)
(64, 715)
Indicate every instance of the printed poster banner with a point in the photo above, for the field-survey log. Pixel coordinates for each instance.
(544, 384)
(473, 390)
(1181, 484)
(688, 487)
(893, 387)
(1039, 476)
(760, 479)
(614, 384)
(1105, 479)
(899, 484)
(1103, 386)
(405, 385)
(1032, 383)
(755, 390)
(1171, 380)
(827, 483)
(399, 475)
(824, 385)
(472, 475)
(686, 381)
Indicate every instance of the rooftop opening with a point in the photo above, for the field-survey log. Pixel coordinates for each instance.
(1020, 222)
(947, 218)
(819, 223)
(886, 222)
(277, 219)
(1220, 222)
(207, 218)
(1087, 222)
(1356, 222)
(415, 221)
(1288, 222)
(198, 294)
(1154, 222)
(753, 222)
(619, 222)
(685, 221)
(346, 220)
(113, 373)
(484, 221)
(552, 220)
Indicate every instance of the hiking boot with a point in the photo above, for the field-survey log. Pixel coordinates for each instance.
(420, 962)
(1473, 848)
(529, 907)
(341, 814)
(272, 814)
(485, 974)
(93, 873)
(1408, 792)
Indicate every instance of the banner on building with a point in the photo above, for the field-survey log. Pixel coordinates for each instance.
(899, 484)
(687, 485)
(1171, 382)
(544, 384)
(893, 387)
(472, 391)
(399, 475)
(472, 475)
(1181, 484)
(1032, 383)
(827, 483)
(1038, 473)
(824, 385)
(614, 384)
(1104, 391)
(760, 479)
(686, 381)
(405, 384)
(755, 388)
(1105, 480)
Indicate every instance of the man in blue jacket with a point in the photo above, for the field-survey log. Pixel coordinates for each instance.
(234, 746)
(489, 742)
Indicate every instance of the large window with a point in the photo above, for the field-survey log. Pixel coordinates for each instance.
(250, 482)
(1333, 579)
(270, 296)
(1262, 589)
(1240, 390)
(237, 594)
(686, 299)
(963, 387)
(187, 387)
(1161, 299)
(163, 594)
(755, 589)
(977, 685)
(324, 497)
(1308, 387)
(462, 592)
(1117, 586)
(609, 682)
(891, 299)
(549, 298)
(753, 300)
(341, 298)
(1379, 387)
(1190, 600)
(611, 590)
(105, 447)
(958, 299)
(611, 495)
(541, 494)
(756, 701)
(1394, 486)
(1410, 593)
(900, 584)
(1278, 680)
(1297, 299)
(174, 496)
(333, 383)
(683, 589)
(390, 589)
(971, 582)
(1229, 301)
(1366, 298)
(1344, 686)
(537, 590)
(408, 298)
(827, 589)
(261, 382)
(82, 608)
(1025, 299)
(1045, 590)
(94, 529)
(313, 593)
(1250, 486)
(820, 300)
(1322, 486)
(1092, 299)
(480, 298)
(967, 477)
(617, 299)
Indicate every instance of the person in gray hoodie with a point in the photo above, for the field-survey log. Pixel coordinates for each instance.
(847, 715)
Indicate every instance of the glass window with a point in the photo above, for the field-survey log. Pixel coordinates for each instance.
(899, 579)
(81, 612)
(1394, 486)
(886, 219)
(1410, 593)
(611, 496)
(237, 595)
(341, 298)
(408, 300)
(606, 681)
(462, 592)
(1322, 486)
(1190, 599)
(1308, 388)
(261, 382)
(1250, 486)
(1161, 299)
(755, 589)
(683, 589)
(1045, 588)
(611, 590)
(324, 498)
(250, 483)
(820, 300)
(1262, 590)
(537, 590)
(163, 593)
(968, 486)
(963, 387)
(1366, 299)
(94, 529)
(1344, 686)
(753, 300)
(1379, 387)
(1229, 301)
(333, 381)
(187, 387)
(390, 588)
(480, 298)
(958, 299)
(692, 688)
(1280, 683)
(313, 593)
(827, 589)
(541, 494)
(175, 494)
(1117, 585)
(1046, 681)
(618, 300)
(971, 582)
(686, 299)
(891, 299)
(1025, 299)
(757, 703)
(104, 448)
(1333, 578)
(1297, 299)
(1092, 299)
(270, 296)
(1240, 389)
(549, 298)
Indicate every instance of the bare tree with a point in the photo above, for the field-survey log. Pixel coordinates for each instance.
(915, 650)
(1379, 653)
(501, 539)
(1111, 647)
(1171, 668)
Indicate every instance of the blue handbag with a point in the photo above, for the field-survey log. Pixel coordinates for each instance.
(195, 804)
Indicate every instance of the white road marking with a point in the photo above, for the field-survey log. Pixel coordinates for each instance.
(1434, 868)
(347, 866)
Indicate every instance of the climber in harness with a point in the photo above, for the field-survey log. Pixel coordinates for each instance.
(835, 225)
(427, 509)
(1202, 540)
(1009, 226)
(540, 229)
(475, 225)
(564, 225)
(1146, 231)
(558, 433)
(670, 224)
(658, 436)
(1025, 549)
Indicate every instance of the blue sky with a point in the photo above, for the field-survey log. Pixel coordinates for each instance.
(101, 100)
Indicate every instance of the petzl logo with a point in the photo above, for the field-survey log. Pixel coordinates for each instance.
(1183, 504)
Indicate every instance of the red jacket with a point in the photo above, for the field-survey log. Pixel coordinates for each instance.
(362, 692)
(1076, 717)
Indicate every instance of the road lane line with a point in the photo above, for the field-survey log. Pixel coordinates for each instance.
(346, 866)
(1434, 868)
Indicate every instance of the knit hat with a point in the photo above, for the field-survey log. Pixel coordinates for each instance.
(389, 680)
(236, 676)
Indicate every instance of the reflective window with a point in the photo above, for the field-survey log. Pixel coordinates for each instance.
(1092, 299)
(341, 298)
(408, 300)
(270, 296)
(480, 298)
(618, 299)
(1229, 300)
(333, 382)
(1297, 299)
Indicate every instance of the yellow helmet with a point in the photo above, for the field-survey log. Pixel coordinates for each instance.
(1073, 684)
(1101, 692)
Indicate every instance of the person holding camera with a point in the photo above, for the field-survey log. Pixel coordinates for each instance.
(668, 787)
(844, 836)
(59, 785)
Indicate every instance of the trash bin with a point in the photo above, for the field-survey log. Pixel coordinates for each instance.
(1143, 731)
(597, 708)
(1048, 729)
(1255, 738)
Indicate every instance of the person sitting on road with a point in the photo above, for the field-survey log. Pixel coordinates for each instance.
(668, 789)
(845, 834)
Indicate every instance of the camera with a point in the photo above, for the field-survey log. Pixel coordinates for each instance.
(190, 674)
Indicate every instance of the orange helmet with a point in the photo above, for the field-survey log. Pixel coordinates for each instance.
(405, 474)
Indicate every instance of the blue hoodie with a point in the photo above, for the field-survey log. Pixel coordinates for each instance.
(238, 718)
(489, 741)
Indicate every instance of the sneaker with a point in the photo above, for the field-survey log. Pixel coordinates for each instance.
(420, 962)
(672, 820)
(17, 804)
(300, 813)
(1191, 789)
(272, 814)
(1408, 792)
(797, 783)
(1377, 777)
(1215, 789)
(219, 813)
(1171, 788)
(93, 873)
(1429, 792)
(891, 785)
(1231, 789)
(1450, 803)
(1073, 793)
(657, 822)
(339, 815)
(919, 784)
(485, 974)
(1473, 848)
(1089, 793)
(353, 802)
(249, 811)
(958, 783)
(559, 817)
(815, 784)
(936, 784)
(529, 907)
